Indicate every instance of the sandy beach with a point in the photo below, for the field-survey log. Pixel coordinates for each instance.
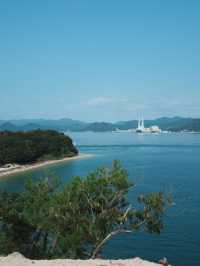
(28, 167)
(17, 259)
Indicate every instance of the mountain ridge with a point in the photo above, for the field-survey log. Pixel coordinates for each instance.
(66, 124)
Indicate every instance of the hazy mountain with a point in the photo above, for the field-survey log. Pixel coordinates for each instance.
(7, 126)
(165, 123)
(189, 125)
(124, 125)
(60, 124)
(66, 124)
(100, 127)
(169, 123)
(30, 126)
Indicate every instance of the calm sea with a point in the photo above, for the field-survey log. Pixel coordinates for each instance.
(167, 162)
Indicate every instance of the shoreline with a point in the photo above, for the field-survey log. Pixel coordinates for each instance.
(28, 167)
(19, 260)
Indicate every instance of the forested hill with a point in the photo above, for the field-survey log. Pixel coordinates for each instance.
(34, 146)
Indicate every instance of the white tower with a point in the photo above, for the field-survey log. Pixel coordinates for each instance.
(139, 124)
(142, 124)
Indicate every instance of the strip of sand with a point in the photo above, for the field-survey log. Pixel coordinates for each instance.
(23, 168)
(17, 259)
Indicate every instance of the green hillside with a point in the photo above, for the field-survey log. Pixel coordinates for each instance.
(34, 146)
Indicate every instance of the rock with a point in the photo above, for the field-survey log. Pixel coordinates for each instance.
(164, 262)
(16, 255)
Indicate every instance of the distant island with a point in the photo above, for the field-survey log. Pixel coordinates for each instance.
(173, 124)
(33, 148)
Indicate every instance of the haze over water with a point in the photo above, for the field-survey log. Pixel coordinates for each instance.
(169, 162)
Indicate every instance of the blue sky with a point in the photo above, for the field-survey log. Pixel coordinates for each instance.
(99, 60)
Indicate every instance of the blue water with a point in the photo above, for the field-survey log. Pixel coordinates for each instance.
(167, 162)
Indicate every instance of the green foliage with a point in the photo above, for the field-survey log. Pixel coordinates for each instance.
(33, 146)
(75, 221)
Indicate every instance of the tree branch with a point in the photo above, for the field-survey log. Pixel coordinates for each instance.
(126, 213)
(108, 237)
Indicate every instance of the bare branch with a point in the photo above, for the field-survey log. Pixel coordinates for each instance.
(126, 213)
(108, 237)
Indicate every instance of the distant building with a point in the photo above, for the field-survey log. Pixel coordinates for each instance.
(155, 129)
(141, 128)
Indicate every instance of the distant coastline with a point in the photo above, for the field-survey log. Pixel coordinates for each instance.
(172, 124)
(23, 168)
